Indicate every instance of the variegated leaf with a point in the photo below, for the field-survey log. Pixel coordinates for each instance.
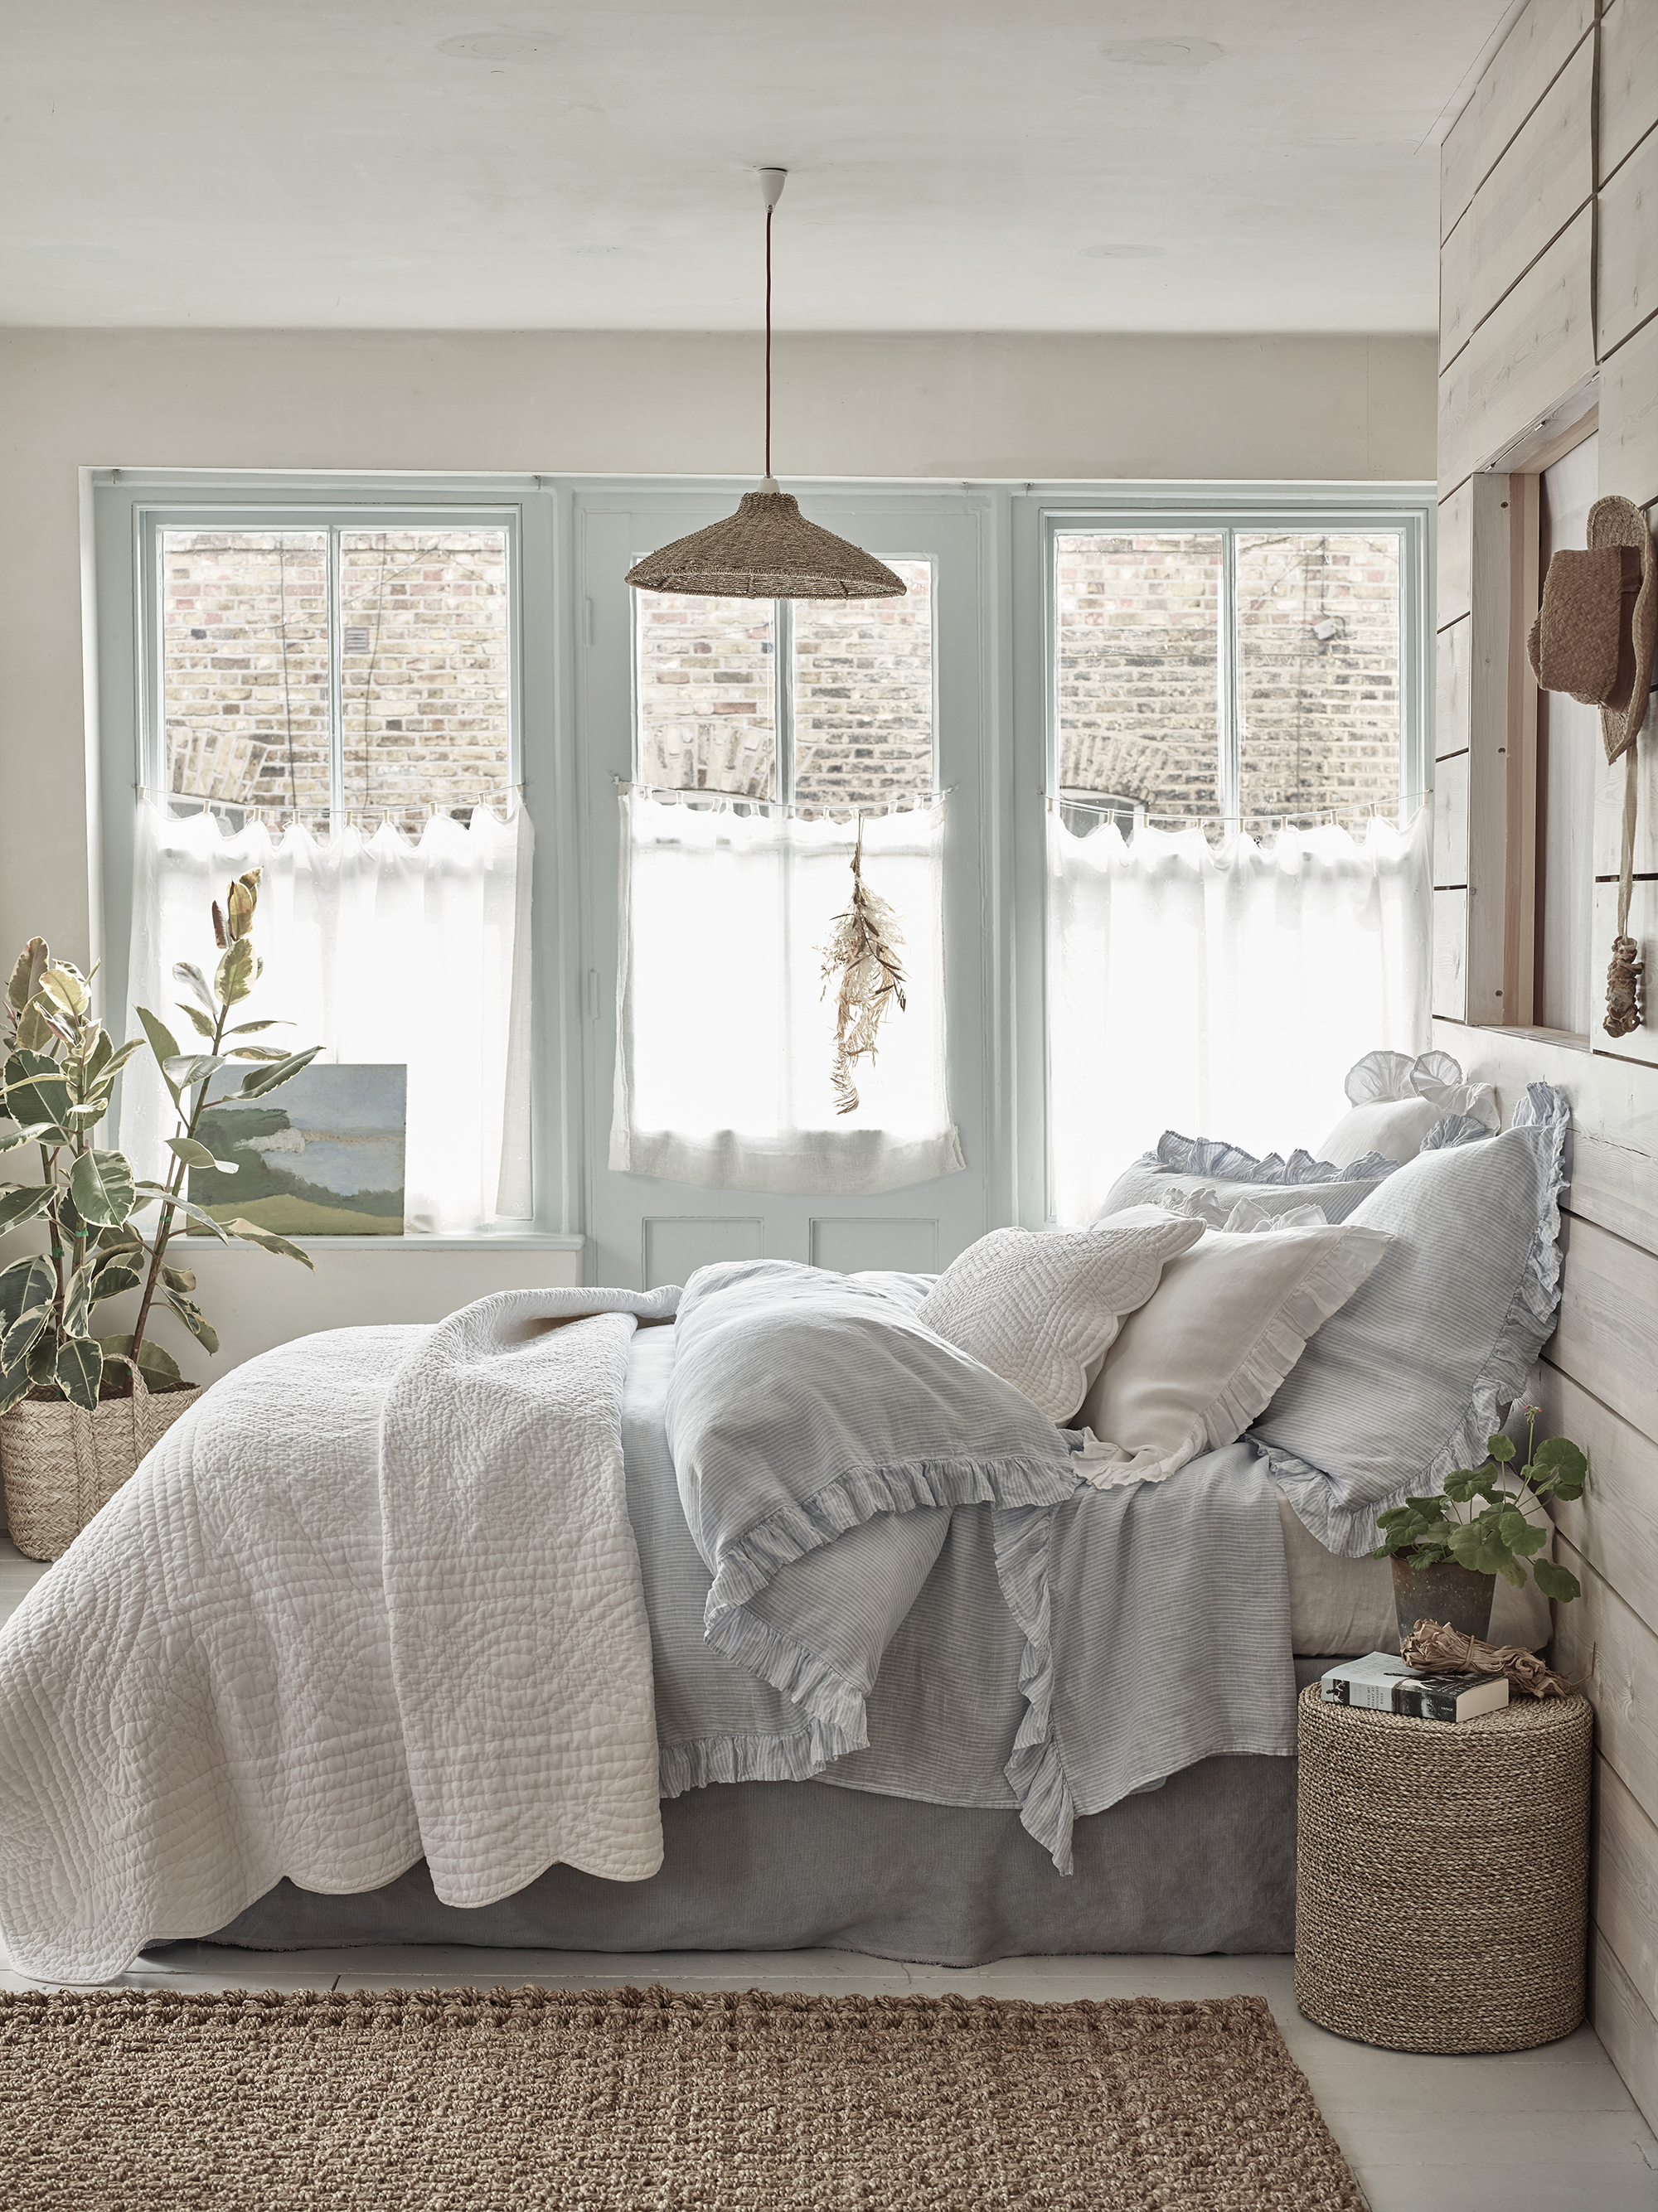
(263, 1079)
(24, 1333)
(32, 964)
(251, 1233)
(188, 972)
(27, 1282)
(236, 971)
(101, 1185)
(196, 1322)
(195, 1154)
(79, 1369)
(21, 1201)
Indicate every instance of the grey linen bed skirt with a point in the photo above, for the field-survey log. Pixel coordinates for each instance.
(1206, 1864)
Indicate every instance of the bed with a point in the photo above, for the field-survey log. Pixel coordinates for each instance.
(758, 1615)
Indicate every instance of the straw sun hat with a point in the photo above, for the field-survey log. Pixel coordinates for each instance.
(1594, 637)
(1595, 634)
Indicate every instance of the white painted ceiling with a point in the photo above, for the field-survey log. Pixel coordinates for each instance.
(1054, 164)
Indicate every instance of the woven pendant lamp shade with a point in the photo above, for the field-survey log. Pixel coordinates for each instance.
(766, 550)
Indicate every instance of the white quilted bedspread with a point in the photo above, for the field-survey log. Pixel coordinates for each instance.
(375, 1595)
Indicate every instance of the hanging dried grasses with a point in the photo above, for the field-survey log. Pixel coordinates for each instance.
(862, 957)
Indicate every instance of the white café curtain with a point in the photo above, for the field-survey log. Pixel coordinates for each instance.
(725, 1031)
(1223, 992)
(379, 949)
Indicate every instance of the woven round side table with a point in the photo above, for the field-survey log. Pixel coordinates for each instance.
(1441, 1874)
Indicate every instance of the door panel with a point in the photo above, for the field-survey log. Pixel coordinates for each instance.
(910, 1247)
(674, 1245)
(645, 1230)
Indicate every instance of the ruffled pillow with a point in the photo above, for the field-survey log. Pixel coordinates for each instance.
(1243, 1217)
(1408, 1381)
(1040, 1308)
(1202, 1357)
(1396, 1101)
(1228, 1173)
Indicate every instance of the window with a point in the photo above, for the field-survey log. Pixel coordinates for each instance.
(773, 741)
(319, 671)
(818, 703)
(329, 693)
(1228, 673)
(1238, 862)
(346, 680)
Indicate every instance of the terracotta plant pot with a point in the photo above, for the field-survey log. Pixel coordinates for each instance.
(1453, 1595)
(61, 1464)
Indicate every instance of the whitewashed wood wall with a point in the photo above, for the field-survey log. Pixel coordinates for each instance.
(1549, 307)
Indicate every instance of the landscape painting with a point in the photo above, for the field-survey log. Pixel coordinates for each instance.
(321, 1157)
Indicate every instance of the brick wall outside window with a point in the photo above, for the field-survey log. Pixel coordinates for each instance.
(425, 670)
(1317, 634)
(426, 678)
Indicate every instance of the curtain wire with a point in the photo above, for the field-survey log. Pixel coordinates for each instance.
(733, 801)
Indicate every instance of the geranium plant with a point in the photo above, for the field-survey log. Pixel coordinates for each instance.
(1498, 1539)
(56, 1083)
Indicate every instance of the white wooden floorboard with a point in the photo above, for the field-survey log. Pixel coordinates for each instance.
(1547, 2130)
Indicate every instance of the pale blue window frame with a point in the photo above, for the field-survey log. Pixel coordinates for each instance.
(129, 507)
(1227, 518)
(1017, 721)
(151, 518)
(1038, 513)
(783, 676)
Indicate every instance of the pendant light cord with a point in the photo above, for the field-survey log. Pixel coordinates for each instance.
(768, 342)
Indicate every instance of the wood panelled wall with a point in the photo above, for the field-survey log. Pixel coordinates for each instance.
(1549, 307)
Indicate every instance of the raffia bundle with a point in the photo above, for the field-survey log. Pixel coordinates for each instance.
(1445, 1650)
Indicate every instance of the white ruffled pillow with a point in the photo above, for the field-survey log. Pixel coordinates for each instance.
(1192, 1164)
(1204, 1357)
(1395, 1101)
(1040, 1308)
(1239, 1217)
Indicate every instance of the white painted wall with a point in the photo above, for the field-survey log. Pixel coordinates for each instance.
(255, 1299)
(975, 406)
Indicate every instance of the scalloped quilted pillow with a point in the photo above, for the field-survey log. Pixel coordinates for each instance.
(1039, 1307)
(1409, 1379)
(1395, 1102)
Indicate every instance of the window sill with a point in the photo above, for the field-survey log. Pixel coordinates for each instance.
(1563, 1040)
(480, 1240)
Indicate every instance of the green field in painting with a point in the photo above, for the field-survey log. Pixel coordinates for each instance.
(303, 1217)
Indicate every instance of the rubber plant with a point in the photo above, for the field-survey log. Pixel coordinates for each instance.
(1499, 1539)
(56, 1083)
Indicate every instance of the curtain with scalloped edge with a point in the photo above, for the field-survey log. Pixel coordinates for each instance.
(379, 949)
(1223, 991)
(725, 1032)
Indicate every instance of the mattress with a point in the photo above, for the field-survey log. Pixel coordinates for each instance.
(1346, 1606)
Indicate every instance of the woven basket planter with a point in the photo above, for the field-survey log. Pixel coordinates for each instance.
(1441, 1874)
(60, 1464)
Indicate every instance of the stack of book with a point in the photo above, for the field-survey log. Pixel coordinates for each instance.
(1384, 1684)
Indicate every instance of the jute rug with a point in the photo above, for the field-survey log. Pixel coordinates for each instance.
(648, 2101)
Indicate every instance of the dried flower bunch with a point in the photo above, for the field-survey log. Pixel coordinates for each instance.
(862, 957)
(56, 1081)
